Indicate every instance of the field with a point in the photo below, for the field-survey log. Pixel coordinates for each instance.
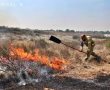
(54, 65)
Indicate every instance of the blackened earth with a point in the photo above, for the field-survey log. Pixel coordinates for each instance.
(59, 83)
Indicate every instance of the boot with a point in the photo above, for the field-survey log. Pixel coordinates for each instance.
(86, 58)
(98, 58)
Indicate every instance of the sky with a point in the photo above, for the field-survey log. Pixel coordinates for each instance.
(56, 14)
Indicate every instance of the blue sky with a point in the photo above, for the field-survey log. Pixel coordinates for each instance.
(56, 14)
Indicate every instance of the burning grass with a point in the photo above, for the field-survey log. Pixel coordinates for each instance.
(54, 62)
(33, 55)
(27, 51)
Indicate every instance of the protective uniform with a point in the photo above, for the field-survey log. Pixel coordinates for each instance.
(87, 40)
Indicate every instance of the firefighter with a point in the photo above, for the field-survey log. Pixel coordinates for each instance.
(87, 40)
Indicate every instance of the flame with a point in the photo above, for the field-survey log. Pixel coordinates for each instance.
(54, 62)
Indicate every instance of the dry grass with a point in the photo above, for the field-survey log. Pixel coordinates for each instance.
(108, 44)
(77, 67)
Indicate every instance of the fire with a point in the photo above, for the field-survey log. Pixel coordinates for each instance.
(54, 62)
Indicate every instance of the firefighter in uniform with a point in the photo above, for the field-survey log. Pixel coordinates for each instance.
(87, 40)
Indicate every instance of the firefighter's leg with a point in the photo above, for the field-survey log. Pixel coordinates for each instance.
(94, 54)
(89, 51)
(98, 58)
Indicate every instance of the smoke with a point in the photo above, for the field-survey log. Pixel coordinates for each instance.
(7, 18)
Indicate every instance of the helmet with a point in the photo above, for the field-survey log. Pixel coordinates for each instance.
(83, 37)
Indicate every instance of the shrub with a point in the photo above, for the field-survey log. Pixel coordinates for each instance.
(108, 44)
(75, 37)
(65, 53)
(41, 44)
(4, 49)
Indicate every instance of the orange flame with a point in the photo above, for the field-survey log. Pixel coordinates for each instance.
(54, 63)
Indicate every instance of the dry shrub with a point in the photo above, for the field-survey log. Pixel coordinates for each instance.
(4, 49)
(44, 47)
(61, 51)
(73, 44)
(28, 46)
(41, 44)
(51, 53)
(108, 44)
(75, 37)
(65, 53)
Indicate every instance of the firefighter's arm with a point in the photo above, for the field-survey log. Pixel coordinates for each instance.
(93, 44)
